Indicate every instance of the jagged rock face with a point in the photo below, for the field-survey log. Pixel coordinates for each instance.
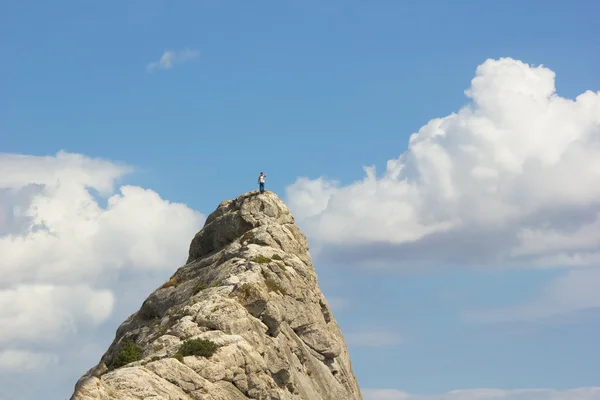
(249, 286)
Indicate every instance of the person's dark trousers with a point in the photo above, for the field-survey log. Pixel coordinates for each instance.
(262, 187)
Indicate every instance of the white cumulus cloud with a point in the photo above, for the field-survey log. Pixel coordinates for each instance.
(66, 236)
(170, 58)
(68, 239)
(512, 177)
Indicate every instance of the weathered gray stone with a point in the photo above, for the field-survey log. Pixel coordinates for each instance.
(248, 286)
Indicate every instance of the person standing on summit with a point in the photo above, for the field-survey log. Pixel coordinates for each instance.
(261, 182)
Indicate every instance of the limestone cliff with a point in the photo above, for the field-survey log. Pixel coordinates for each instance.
(244, 318)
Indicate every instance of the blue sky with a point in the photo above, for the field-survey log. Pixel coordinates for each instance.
(319, 91)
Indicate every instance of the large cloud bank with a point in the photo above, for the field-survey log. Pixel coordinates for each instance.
(511, 178)
(62, 250)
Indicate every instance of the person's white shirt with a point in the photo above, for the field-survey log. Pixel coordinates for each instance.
(261, 178)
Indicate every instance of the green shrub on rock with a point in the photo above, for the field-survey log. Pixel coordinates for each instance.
(261, 260)
(198, 347)
(199, 287)
(130, 352)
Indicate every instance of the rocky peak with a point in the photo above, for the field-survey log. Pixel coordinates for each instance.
(251, 212)
(244, 318)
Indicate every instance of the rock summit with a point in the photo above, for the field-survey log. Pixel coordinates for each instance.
(244, 318)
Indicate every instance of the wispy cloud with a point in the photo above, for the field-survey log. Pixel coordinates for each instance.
(337, 303)
(22, 361)
(373, 338)
(584, 393)
(573, 292)
(170, 58)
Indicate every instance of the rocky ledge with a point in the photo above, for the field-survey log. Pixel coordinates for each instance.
(244, 318)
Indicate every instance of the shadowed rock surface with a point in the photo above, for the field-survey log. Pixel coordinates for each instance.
(250, 287)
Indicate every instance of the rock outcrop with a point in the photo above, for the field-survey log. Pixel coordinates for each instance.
(248, 299)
